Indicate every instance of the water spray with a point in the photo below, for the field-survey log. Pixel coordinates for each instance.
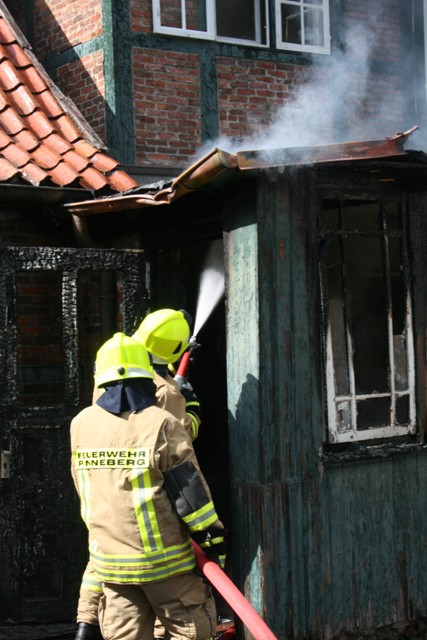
(211, 289)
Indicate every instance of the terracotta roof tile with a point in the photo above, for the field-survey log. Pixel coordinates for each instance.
(26, 140)
(45, 158)
(9, 78)
(66, 128)
(16, 55)
(23, 99)
(43, 138)
(58, 144)
(103, 162)
(120, 180)
(16, 156)
(49, 104)
(74, 160)
(39, 124)
(35, 175)
(6, 34)
(64, 175)
(32, 79)
(7, 170)
(10, 121)
(94, 178)
(4, 139)
(85, 148)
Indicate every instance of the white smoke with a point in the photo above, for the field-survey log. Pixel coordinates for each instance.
(341, 97)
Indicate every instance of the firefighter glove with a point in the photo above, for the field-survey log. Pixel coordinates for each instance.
(192, 403)
(212, 541)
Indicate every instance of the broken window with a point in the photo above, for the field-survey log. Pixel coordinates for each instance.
(367, 326)
(303, 25)
(240, 21)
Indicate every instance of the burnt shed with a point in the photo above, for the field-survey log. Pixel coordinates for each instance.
(325, 322)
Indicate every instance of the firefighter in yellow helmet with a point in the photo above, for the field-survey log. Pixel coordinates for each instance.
(142, 496)
(166, 335)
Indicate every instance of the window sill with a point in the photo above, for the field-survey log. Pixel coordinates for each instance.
(361, 452)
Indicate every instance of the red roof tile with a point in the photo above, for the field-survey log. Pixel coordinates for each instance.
(41, 140)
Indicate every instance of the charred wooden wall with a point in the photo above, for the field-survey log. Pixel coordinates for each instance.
(321, 546)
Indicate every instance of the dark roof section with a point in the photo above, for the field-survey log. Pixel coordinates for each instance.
(44, 140)
(218, 161)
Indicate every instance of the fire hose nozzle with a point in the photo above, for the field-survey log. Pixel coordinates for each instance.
(193, 344)
(185, 361)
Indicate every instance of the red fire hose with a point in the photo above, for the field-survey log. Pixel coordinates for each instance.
(183, 364)
(231, 594)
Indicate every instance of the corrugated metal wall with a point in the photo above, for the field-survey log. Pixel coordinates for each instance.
(318, 549)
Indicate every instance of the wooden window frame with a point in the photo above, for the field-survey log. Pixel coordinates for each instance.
(333, 398)
(302, 6)
(210, 32)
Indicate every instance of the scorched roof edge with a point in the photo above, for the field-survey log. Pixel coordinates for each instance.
(219, 161)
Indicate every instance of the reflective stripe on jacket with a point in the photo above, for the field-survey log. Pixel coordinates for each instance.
(119, 464)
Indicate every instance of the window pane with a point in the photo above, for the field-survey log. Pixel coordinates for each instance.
(235, 19)
(368, 313)
(398, 316)
(241, 19)
(336, 311)
(359, 215)
(344, 416)
(194, 18)
(391, 215)
(330, 219)
(313, 27)
(291, 24)
(373, 412)
(402, 410)
(195, 15)
(170, 13)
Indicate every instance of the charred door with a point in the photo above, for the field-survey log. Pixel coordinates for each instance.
(56, 307)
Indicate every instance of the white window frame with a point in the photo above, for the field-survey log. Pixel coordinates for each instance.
(210, 33)
(300, 4)
(333, 399)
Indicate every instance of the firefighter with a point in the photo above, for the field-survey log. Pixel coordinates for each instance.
(142, 495)
(166, 335)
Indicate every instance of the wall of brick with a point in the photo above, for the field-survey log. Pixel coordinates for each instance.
(250, 92)
(60, 24)
(167, 106)
(33, 228)
(381, 25)
(141, 16)
(83, 82)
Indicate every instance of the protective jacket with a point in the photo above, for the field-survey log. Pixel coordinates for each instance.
(170, 398)
(141, 493)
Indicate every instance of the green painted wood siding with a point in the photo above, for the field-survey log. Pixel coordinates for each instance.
(318, 549)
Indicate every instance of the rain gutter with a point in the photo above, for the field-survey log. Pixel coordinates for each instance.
(219, 161)
(345, 151)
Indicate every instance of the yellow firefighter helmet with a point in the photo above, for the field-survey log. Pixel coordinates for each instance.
(165, 334)
(121, 358)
